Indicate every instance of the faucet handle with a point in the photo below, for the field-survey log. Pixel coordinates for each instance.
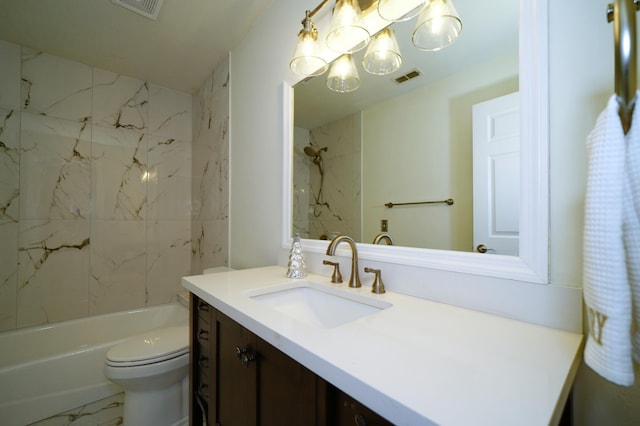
(336, 277)
(377, 286)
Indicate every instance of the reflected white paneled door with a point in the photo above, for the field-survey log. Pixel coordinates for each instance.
(496, 175)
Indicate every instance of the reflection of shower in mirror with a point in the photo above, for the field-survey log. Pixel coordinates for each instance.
(316, 158)
(315, 155)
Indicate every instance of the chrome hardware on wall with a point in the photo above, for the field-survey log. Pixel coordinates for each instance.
(244, 356)
(336, 276)
(377, 286)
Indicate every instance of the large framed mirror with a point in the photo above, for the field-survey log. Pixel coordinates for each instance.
(520, 66)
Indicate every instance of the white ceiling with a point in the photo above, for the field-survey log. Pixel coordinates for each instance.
(178, 50)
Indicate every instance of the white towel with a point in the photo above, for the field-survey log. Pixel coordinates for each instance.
(607, 292)
(631, 228)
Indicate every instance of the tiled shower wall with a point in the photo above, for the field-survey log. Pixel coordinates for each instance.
(95, 189)
(210, 170)
(335, 207)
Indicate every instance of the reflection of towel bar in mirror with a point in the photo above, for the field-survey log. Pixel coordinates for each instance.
(447, 202)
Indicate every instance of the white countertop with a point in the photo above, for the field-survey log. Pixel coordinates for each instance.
(417, 362)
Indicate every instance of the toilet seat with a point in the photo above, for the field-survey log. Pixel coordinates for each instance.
(149, 348)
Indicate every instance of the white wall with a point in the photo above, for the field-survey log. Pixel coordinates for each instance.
(581, 78)
(259, 65)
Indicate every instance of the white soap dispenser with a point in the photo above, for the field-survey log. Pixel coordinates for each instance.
(296, 267)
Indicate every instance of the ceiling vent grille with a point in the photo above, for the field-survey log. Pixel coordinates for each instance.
(408, 76)
(147, 8)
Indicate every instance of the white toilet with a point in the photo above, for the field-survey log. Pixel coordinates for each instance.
(153, 370)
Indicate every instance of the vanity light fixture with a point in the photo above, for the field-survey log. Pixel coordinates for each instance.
(347, 33)
(390, 10)
(438, 26)
(307, 60)
(383, 54)
(343, 76)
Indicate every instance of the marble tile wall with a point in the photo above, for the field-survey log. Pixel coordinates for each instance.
(96, 176)
(334, 207)
(303, 200)
(210, 172)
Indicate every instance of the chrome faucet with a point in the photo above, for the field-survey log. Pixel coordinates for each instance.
(354, 278)
(383, 236)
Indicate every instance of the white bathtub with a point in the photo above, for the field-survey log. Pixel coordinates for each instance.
(47, 370)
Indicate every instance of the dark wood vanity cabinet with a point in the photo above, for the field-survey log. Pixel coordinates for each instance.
(236, 378)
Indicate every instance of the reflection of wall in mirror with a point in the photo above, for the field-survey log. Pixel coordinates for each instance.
(407, 157)
(337, 208)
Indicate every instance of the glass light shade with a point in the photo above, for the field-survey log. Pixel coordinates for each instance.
(383, 54)
(343, 76)
(396, 11)
(306, 58)
(438, 26)
(347, 33)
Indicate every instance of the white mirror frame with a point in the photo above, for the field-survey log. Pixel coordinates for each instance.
(532, 264)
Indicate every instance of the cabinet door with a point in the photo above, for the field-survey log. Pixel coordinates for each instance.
(286, 389)
(236, 369)
(239, 379)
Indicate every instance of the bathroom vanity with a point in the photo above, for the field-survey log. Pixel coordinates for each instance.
(272, 350)
(241, 379)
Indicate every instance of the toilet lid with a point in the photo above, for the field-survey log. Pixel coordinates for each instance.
(152, 346)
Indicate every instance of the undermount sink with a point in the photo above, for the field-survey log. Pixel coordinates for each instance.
(317, 304)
